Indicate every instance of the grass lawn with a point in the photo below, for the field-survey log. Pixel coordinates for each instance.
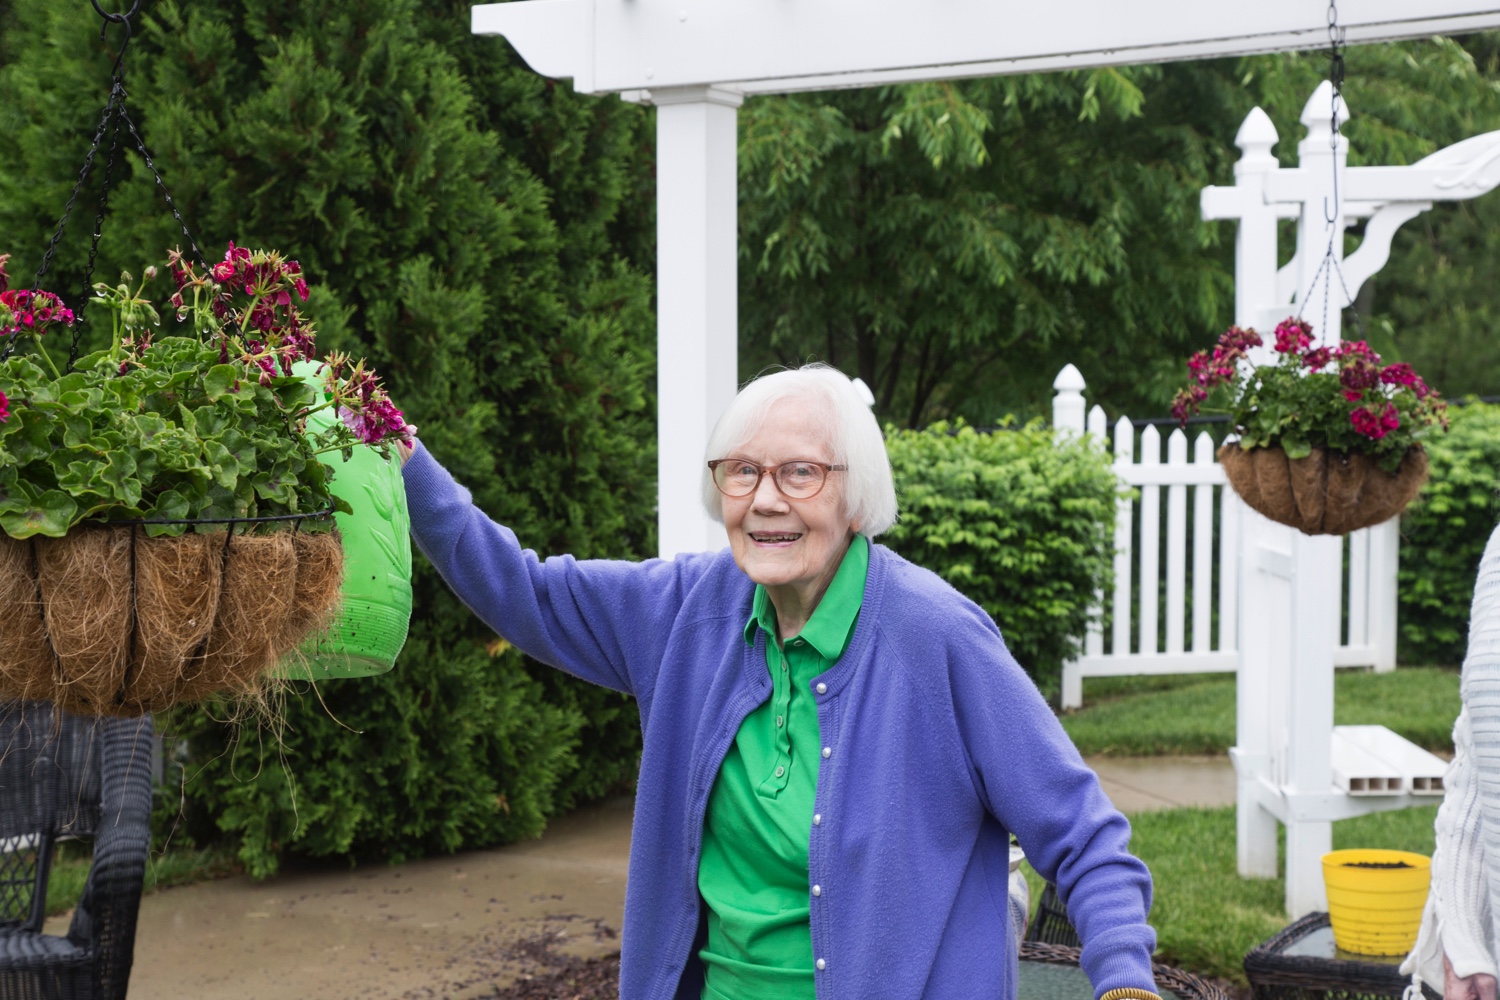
(1194, 713)
(1206, 916)
(177, 866)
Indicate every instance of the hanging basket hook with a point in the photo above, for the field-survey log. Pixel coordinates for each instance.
(123, 20)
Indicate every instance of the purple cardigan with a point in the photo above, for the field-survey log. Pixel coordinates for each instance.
(937, 747)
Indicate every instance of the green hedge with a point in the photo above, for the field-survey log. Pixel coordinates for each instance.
(485, 237)
(1443, 535)
(451, 750)
(1023, 526)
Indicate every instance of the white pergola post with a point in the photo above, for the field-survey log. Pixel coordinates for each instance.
(697, 312)
(1261, 587)
(1313, 612)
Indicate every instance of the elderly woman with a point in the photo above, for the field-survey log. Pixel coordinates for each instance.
(838, 745)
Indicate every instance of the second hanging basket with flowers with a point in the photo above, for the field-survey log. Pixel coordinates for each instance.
(1329, 438)
(167, 523)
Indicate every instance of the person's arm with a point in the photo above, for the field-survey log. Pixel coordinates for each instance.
(603, 620)
(1031, 778)
(1460, 897)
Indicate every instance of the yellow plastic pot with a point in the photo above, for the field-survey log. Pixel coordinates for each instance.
(377, 597)
(1376, 910)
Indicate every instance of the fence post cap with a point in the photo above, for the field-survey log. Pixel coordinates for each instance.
(1070, 379)
(1257, 131)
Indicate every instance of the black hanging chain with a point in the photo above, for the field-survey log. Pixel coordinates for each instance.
(140, 144)
(114, 117)
(1331, 214)
(117, 93)
(62, 224)
(1335, 48)
(123, 20)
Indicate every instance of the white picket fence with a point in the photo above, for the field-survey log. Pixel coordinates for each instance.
(1174, 569)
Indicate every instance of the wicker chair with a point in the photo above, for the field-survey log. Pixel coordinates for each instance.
(61, 777)
(1051, 925)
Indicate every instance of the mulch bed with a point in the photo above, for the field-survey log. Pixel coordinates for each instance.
(578, 979)
(531, 966)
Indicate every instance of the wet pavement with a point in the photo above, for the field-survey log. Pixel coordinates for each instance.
(458, 927)
(1139, 784)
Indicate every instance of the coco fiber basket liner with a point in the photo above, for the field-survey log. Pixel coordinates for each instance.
(109, 621)
(1326, 493)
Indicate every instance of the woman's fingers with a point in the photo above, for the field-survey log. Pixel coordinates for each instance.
(1476, 987)
(403, 449)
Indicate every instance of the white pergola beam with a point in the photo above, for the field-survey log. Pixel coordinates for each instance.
(795, 45)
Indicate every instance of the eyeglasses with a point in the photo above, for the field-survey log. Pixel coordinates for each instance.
(797, 480)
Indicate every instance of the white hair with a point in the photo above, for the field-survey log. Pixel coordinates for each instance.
(844, 419)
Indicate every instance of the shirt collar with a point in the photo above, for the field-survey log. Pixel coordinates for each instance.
(832, 621)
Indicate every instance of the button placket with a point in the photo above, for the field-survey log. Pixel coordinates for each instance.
(781, 696)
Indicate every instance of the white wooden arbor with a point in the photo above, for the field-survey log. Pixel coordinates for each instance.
(1287, 752)
(696, 60)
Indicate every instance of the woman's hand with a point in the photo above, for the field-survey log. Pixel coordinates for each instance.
(404, 450)
(1476, 987)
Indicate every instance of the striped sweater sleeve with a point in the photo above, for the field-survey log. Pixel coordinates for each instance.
(1459, 880)
(1480, 689)
(1466, 859)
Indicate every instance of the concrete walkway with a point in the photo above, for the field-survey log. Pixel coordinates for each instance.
(457, 927)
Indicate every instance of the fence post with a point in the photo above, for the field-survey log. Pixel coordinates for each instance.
(1385, 554)
(1068, 405)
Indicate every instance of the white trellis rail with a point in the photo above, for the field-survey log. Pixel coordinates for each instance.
(1175, 604)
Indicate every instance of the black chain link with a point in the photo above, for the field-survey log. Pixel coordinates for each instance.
(1335, 47)
(117, 94)
(1330, 263)
(62, 223)
(112, 120)
(140, 144)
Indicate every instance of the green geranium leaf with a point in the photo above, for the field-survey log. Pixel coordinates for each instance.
(51, 515)
(225, 467)
(171, 505)
(220, 381)
(1296, 446)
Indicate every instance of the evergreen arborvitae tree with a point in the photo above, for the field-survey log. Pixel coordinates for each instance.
(480, 235)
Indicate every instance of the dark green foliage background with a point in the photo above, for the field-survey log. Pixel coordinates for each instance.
(1443, 534)
(483, 237)
(1023, 526)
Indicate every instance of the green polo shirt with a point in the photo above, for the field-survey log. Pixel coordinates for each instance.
(753, 872)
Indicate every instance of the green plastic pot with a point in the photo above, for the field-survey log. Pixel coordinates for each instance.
(376, 612)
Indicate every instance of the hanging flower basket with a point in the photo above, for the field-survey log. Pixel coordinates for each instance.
(110, 621)
(1324, 492)
(168, 527)
(1328, 437)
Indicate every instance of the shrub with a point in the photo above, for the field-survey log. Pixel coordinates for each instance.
(448, 751)
(479, 234)
(1021, 525)
(1443, 535)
